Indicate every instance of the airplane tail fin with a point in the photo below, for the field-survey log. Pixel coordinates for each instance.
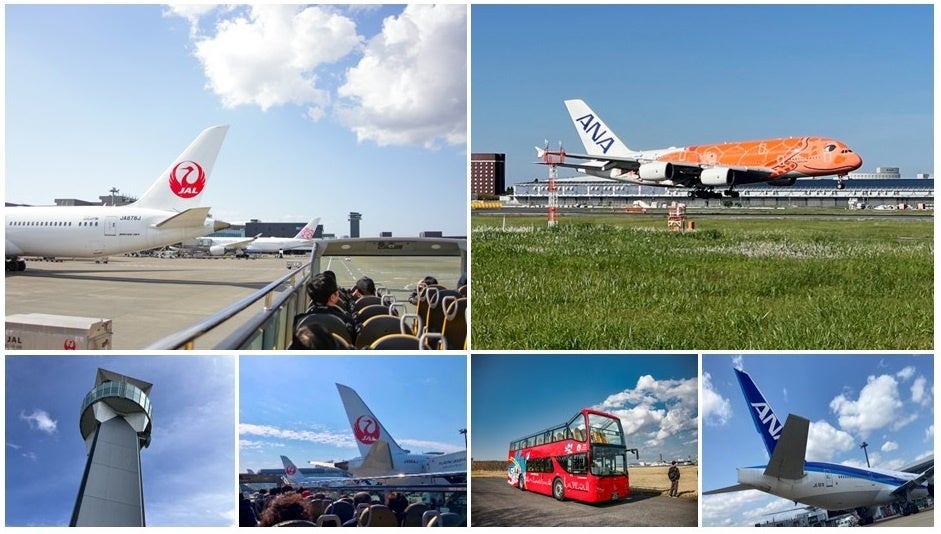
(290, 470)
(182, 184)
(599, 140)
(308, 231)
(766, 422)
(366, 428)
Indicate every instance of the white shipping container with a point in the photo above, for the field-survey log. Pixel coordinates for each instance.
(40, 331)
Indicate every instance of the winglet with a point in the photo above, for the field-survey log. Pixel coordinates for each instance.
(766, 422)
(182, 184)
(599, 140)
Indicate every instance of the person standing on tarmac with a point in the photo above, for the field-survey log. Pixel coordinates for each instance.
(674, 475)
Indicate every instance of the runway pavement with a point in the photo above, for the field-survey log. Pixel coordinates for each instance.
(149, 298)
(921, 519)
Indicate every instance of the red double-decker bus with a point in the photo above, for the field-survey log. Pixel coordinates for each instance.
(584, 459)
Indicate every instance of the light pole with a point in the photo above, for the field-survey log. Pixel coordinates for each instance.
(464, 431)
(863, 447)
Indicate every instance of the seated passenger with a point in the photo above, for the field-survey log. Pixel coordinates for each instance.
(364, 287)
(422, 284)
(324, 296)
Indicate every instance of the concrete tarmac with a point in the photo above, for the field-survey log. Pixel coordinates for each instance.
(921, 519)
(150, 298)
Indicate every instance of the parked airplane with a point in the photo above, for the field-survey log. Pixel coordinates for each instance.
(322, 476)
(382, 456)
(276, 244)
(702, 168)
(832, 487)
(167, 213)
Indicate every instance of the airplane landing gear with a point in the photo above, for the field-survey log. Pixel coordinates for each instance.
(704, 193)
(730, 193)
(16, 265)
(841, 182)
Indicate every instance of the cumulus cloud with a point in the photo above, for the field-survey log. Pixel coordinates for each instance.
(410, 87)
(661, 408)
(269, 55)
(878, 406)
(40, 420)
(824, 441)
(407, 85)
(889, 446)
(738, 363)
(929, 433)
(920, 394)
(906, 373)
(716, 409)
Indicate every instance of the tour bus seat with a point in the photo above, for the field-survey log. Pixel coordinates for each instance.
(434, 317)
(428, 516)
(367, 300)
(450, 519)
(342, 509)
(329, 520)
(414, 513)
(330, 323)
(378, 515)
(455, 322)
(371, 311)
(317, 507)
(296, 523)
(398, 342)
(377, 327)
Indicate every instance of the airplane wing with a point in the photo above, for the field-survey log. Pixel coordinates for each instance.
(627, 169)
(185, 219)
(728, 489)
(914, 483)
(240, 244)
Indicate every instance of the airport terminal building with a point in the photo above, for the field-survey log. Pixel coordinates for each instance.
(877, 193)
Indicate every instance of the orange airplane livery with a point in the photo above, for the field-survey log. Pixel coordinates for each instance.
(702, 168)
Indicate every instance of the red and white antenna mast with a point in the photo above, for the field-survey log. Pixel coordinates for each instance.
(553, 160)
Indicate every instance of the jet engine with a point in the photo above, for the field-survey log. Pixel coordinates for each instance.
(782, 182)
(717, 176)
(656, 171)
(217, 250)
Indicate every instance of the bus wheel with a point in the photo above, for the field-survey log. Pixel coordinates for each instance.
(519, 483)
(558, 489)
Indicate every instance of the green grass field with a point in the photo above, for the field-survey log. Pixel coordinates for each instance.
(618, 282)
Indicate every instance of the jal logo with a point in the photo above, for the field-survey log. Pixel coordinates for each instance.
(187, 179)
(69, 344)
(595, 130)
(290, 470)
(366, 430)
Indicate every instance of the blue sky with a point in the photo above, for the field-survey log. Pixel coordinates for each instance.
(289, 405)
(684, 75)
(655, 397)
(188, 469)
(332, 109)
(884, 400)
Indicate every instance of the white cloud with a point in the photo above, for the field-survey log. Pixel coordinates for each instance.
(269, 55)
(325, 437)
(40, 420)
(906, 373)
(410, 87)
(920, 394)
(738, 363)
(877, 406)
(929, 433)
(889, 446)
(824, 441)
(716, 409)
(417, 445)
(661, 408)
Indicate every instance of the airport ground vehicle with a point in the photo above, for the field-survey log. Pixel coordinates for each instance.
(584, 459)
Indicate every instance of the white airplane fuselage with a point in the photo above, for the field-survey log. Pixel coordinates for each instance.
(833, 486)
(416, 464)
(274, 244)
(93, 231)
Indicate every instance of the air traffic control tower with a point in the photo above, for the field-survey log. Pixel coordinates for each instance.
(116, 424)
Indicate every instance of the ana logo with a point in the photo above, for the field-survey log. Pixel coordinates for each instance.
(594, 130)
(767, 418)
(187, 179)
(69, 344)
(366, 430)
(291, 470)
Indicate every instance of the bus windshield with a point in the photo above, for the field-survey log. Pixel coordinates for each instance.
(605, 430)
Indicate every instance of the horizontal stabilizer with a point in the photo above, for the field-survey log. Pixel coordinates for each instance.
(787, 460)
(914, 483)
(729, 489)
(185, 219)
